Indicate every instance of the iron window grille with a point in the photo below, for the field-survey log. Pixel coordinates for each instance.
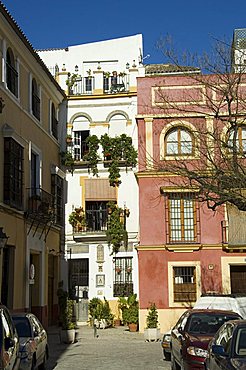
(182, 216)
(184, 284)
(123, 284)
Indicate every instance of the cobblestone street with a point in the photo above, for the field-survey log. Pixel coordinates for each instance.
(115, 348)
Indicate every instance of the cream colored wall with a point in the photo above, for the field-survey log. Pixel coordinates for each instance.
(167, 318)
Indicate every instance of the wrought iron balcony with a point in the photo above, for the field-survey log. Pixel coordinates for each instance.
(83, 86)
(40, 205)
(95, 221)
(123, 289)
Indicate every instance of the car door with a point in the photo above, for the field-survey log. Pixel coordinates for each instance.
(10, 342)
(177, 338)
(40, 338)
(222, 338)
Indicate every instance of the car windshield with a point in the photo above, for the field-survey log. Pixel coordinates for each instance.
(22, 326)
(202, 323)
(240, 343)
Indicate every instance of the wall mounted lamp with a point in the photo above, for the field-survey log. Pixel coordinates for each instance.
(3, 239)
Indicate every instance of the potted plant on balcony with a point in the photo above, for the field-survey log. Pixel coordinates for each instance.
(152, 332)
(78, 220)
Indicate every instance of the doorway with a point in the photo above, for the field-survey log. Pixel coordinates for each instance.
(238, 279)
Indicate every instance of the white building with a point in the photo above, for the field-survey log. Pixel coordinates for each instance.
(239, 50)
(100, 81)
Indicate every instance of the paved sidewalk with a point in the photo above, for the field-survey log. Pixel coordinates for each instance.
(114, 348)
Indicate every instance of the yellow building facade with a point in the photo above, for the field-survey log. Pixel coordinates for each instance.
(32, 181)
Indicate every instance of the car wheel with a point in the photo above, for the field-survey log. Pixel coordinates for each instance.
(167, 355)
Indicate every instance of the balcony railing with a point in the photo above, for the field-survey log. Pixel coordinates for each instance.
(123, 289)
(40, 205)
(83, 86)
(95, 221)
(111, 85)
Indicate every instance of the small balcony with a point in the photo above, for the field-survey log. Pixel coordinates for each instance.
(40, 206)
(90, 221)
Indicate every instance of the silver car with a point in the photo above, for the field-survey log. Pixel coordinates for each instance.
(33, 338)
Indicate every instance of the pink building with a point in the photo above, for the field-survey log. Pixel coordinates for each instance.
(183, 250)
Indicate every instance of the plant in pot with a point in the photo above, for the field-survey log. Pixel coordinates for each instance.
(152, 332)
(129, 307)
(66, 306)
(100, 313)
(78, 220)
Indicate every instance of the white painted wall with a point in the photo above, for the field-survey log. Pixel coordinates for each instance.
(112, 55)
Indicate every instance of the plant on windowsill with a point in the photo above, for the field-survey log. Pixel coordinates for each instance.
(68, 161)
(115, 151)
(116, 233)
(152, 332)
(69, 139)
(77, 220)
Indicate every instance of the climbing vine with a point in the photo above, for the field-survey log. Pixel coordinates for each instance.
(117, 151)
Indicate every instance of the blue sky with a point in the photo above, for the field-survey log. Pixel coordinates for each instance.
(193, 25)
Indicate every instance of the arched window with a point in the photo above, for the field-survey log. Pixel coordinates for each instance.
(11, 73)
(178, 141)
(240, 142)
(54, 122)
(35, 100)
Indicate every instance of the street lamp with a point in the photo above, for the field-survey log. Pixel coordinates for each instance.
(3, 239)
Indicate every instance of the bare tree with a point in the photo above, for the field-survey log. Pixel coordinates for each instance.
(217, 168)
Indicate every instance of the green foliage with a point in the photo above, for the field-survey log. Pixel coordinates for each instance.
(100, 310)
(152, 317)
(67, 160)
(66, 310)
(71, 80)
(92, 156)
(129, 308)
(77, 218)
(116, 233)
(115, 150)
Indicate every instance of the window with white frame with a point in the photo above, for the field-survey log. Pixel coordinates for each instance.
(80, 145)
(182, 218)
(11, 72)
(54, 122)
(35, 99)
(179, 141)
(237, 135)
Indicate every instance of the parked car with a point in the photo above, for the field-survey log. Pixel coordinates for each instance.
(165, 344)
(227, 350)
(191, 335)
(33, 341)
(9, 341)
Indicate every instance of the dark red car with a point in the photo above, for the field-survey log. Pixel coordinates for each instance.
(191, 335)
